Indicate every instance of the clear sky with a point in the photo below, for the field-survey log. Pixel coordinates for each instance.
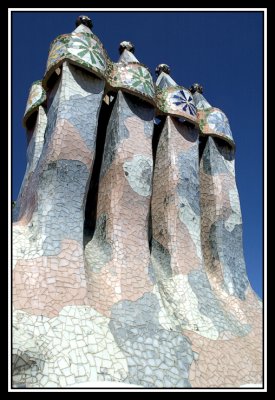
(223, 51)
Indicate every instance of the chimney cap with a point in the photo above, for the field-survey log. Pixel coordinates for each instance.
(84, 20)
(162, 68)
(196, 87)
(126, 45)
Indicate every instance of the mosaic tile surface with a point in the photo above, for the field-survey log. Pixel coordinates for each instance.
(156, 294)
(50, 223)
(176, 101)
(37, 97)
(215, 123)
(124, 189)
(221, 218)
(34, 150)
(134, 78)
(81, 47)
(212, 121)
(173, 99)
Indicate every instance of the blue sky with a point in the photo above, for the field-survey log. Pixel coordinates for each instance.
(221, 50)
